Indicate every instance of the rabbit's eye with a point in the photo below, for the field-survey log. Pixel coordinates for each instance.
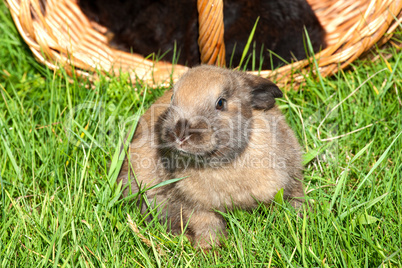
(220, 104)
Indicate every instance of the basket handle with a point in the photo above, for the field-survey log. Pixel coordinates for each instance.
(211, 29)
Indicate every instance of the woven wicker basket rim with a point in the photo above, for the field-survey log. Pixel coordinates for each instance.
(65, 37)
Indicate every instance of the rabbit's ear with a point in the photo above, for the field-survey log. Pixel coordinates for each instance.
(263, 92)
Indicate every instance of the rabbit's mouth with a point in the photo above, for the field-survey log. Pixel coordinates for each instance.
(196, 153)
(184, 152)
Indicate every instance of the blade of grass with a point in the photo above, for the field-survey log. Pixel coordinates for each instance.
(383, 156)
(121, 149)
(368, 203)
(344, 174)
(250, 39)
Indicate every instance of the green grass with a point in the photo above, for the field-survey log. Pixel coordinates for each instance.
(57, 207)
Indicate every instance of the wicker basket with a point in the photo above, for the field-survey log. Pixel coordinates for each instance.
(65, 37)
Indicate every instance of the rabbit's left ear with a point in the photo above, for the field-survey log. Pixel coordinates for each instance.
(263, 92)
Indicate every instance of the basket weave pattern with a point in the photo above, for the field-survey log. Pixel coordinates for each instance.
(63, 36)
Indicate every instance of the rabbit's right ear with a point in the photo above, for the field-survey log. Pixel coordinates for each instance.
(263, 92)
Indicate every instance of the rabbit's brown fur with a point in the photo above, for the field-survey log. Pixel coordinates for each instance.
(231, 156)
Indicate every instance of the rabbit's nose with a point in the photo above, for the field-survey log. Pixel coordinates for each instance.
(181, 130)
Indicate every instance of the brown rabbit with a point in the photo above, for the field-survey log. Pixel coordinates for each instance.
(221, 131)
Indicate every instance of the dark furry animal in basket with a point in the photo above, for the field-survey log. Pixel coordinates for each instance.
(157, 26)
